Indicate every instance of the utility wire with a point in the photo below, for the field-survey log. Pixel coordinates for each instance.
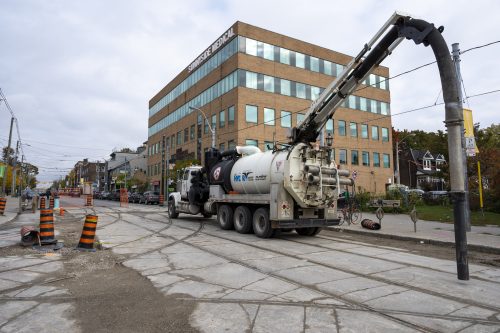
(480, 46)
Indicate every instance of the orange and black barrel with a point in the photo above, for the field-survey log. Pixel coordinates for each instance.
(47, 227)
(88, 234)
(88, 201)
(42, 202)
(51, 202)
(162, 200)
(3, 202)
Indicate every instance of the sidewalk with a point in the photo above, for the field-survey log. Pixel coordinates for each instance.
(400, 226)
(11, 222)
(11, 210)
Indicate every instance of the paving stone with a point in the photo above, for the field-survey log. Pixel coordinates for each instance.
(369, 251)
(352, 262)
(474, 290)
(49, 267)
(7, 284)
(19, 276)
(473, 312)
(362, 321)
(311, 275)
(285, 247)
(241, 252)
(251, 310)
(11, 309)
(373, 293)
(415, 302)
(180, 248)
(196, 289)
(344, 286)
(194, 260)
(230, 275)
(46, 317)
(320, 320)
(277, 318)
(220, 317)
(163, 280)
(271, 285)
(19, 262)
(440, 325)
(142, 264)
(277, 263)
(481, 328)
(32, 291)
(247, 295)
(301, 295)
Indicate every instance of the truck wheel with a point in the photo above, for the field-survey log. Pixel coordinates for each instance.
(243, 220)
(171, 209)
(311, 231)
(225, 217)
(262, 224)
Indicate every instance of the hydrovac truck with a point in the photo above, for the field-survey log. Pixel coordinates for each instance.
(295, 185)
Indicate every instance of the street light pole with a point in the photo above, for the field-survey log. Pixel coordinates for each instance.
(398, 176)
(212, 130)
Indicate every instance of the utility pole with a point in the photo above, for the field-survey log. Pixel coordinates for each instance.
(21, 185)
(14, 164)
(4, 181)
(456, 60)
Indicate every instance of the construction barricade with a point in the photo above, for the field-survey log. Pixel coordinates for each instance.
(88, 234)
(3, 202)
(47, 235)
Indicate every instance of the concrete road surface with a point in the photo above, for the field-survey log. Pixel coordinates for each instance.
(186, 274)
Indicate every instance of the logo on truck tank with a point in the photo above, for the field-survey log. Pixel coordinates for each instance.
(217, 173)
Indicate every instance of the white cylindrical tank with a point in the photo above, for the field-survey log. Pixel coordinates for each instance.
(254, 174)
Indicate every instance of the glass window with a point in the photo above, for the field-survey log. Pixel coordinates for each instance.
(230, 115)
(339, 69)
(300, 118)
(206, 127)
(376, 159)
(269, 116)
(329, 127)
(231, 144)
(268, 52)
(363, 104)
(366, 158)
(285, 56)
(300, 60)
(286, 119)
(385, 134)
(342, 156)
(186, 134)
(252, 142)
(172, 140)
(179, 138)
(327, 67)
(222, 118)
(351, 104)
(373, 106)
(374, 132)
(251, 47)
(383, 83)
(191, 134)
(268, 83)
(314, 64)
(364, 131)
(354, 129)
(214, 121)
(268, 145)
(251, 114)
(251, 80)
(384, 108)
(387, 160)
(341, 127)
(222, 147)
(315, 92)
(285, 87)
(372, 80)
(354, 157)
(300, 90)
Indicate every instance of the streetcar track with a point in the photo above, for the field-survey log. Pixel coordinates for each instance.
(358, 305)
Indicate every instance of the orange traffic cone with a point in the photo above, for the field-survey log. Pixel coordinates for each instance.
(88, 234)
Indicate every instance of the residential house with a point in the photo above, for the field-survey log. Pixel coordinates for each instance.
(420, 169)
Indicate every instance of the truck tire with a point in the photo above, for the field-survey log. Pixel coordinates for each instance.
(310, 231)
(225, 217)
(262, 224)
(243, 220)
(171, 209)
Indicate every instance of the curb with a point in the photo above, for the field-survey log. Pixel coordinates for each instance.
(474, 247)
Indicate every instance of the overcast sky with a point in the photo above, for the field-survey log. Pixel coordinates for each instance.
(79, 74)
